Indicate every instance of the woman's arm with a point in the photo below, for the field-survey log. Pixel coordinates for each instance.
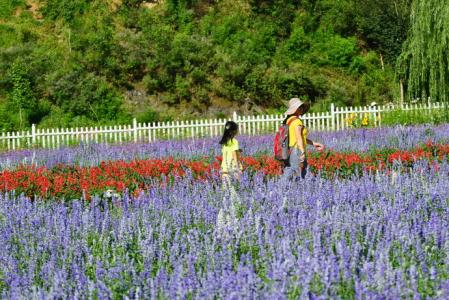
(318, 146)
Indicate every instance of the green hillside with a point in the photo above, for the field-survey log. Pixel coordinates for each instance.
(85, 62)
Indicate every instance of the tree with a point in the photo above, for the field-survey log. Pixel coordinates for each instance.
(22, 95)
(383, 24)
(424, 62)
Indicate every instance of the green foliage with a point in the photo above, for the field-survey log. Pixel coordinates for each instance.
(333, 50)
(148, 116)
(7, 7)
(22, 99)
(82, 59)
(382, 24)
(132, 3)
(424, 63)
(278, 12)
(22, 94)
(56, 117)
(89, 95)
(68, 10)
(418, 116)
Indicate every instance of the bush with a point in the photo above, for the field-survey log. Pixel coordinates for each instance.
(7, 7)
(148, 116)
(68, 10)
(415, 116)
(331, 49)
(89, 95)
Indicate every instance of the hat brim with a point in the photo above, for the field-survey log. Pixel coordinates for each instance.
(293, 109)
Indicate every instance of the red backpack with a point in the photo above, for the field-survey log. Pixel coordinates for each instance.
(281, 142)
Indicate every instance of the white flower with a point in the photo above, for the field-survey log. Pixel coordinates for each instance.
(221, 222)
(109, 193)
(394, 177)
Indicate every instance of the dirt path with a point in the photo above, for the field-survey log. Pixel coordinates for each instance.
(33, 7)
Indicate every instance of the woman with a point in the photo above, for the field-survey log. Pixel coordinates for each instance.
(297, 163)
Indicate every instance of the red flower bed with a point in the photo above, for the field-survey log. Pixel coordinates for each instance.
(64, 181)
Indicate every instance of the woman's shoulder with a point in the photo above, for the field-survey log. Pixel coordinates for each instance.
(297, 122)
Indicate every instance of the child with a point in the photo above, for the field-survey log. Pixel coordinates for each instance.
(230, 166)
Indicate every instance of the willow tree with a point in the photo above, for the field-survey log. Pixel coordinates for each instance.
(423, 65)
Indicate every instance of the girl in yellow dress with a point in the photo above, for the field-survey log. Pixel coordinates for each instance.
(231, 166)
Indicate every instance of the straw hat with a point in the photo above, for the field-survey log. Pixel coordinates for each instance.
(294, 104)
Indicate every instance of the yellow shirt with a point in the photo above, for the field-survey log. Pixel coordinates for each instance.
(291, 132)
(229, 164)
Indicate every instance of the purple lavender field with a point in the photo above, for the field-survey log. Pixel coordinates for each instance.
(367, 237)
(359, 140)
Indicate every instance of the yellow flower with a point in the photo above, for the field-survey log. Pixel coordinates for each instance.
(365, 120)
(350, 119)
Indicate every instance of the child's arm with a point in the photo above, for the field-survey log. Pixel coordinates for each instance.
(236, 157)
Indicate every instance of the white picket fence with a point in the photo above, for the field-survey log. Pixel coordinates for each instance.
(337, 118)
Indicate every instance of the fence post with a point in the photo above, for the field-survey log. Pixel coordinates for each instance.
(234, 116)
(333, 116)
(33, 134)
(135, 129)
